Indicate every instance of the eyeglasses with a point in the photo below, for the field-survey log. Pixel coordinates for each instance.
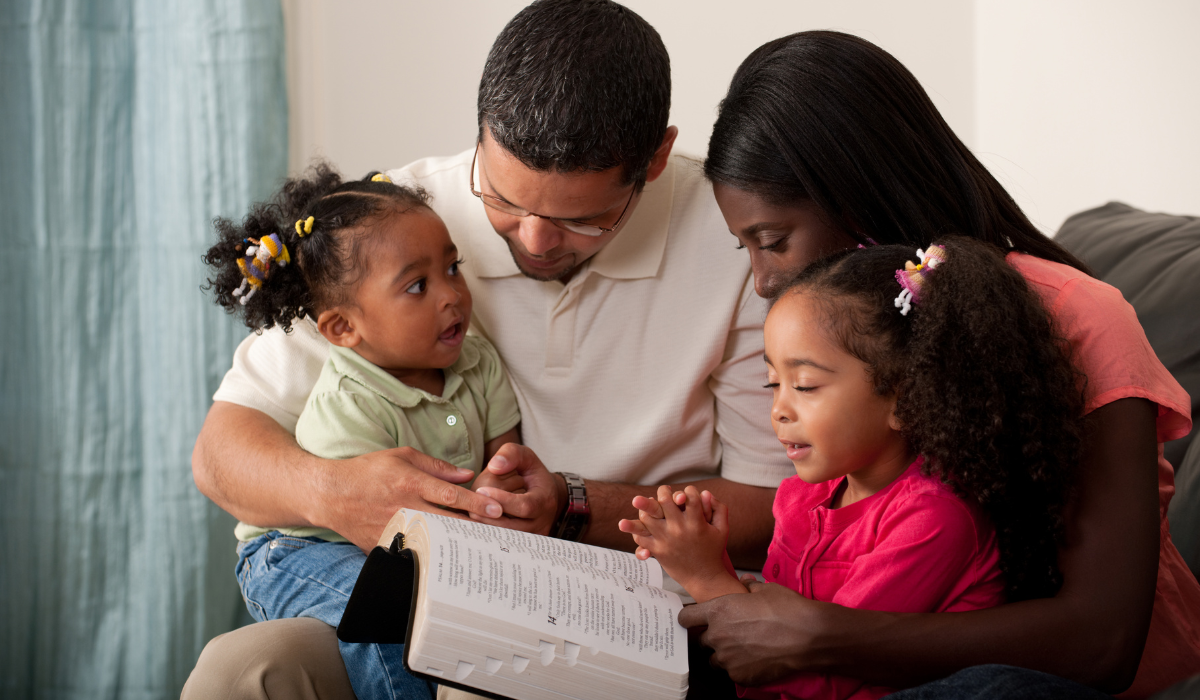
(573, 226)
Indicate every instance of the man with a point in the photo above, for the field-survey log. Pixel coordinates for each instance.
(631, 333)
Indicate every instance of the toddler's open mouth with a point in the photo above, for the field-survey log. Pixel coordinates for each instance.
(453, 335)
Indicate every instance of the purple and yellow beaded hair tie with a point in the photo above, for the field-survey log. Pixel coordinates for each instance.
(913, 277)
(256, 264)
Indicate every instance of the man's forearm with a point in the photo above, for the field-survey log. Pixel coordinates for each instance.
(282, 487)
(750, 519)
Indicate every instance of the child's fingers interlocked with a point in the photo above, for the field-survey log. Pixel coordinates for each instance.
(633, 527)
(666, 503)
(693, 504)
(649, 506)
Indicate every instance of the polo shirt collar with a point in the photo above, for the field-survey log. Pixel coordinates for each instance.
(353, 366)
(635, 253)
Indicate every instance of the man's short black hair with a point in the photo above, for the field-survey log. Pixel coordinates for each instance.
(575, 85)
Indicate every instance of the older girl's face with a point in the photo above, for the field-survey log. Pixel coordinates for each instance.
(781, 240)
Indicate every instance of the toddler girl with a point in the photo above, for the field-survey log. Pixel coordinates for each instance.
(374, 269)
(934, 422)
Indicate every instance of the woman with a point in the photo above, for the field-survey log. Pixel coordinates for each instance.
(825, 141)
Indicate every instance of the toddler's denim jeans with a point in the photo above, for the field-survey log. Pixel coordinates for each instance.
(283, 576)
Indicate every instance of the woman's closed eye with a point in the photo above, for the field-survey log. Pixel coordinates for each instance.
(764, 245)
(417, 287)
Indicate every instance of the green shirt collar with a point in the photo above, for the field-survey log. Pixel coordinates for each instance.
(353, 366)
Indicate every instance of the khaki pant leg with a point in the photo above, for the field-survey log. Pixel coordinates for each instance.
(292, 659)
(445, 692)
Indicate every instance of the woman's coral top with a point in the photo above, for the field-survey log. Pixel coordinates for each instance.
(1110, 347)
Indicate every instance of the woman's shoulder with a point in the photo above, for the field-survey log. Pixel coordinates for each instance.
(1107, 342)
(1058, 285)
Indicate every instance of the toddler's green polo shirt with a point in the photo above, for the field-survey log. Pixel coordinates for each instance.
(356, 408)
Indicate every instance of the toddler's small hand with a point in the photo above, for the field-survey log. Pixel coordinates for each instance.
(511, 482)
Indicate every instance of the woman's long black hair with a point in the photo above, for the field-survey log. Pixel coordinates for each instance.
(326, 263)
(832, 118)
(984, 386)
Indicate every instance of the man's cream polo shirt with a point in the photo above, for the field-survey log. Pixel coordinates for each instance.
(645, 368)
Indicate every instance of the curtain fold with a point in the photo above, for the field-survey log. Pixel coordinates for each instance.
(126, 126)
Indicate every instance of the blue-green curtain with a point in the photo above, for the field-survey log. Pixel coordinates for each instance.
(126, 126)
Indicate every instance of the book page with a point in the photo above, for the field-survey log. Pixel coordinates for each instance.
(596, 598)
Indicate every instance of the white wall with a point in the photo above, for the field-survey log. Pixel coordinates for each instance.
(1083, 101)
(1072, 102)
(379, 83)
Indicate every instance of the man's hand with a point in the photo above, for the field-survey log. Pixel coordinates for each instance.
(388, 480)
(253, 469)
(757, 638)
(532, 511)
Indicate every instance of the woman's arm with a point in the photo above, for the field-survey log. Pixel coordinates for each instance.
(1092, 632)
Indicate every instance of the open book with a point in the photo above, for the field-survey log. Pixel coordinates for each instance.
(531, 617)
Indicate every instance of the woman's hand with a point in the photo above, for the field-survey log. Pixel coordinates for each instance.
(761, 637)
(688, 542)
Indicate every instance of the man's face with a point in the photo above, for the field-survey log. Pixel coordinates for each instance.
(541, 249)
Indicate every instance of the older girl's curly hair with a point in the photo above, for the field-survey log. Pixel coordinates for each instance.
(984, 387)
(326, 263)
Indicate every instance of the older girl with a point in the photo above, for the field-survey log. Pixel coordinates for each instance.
(934, 422)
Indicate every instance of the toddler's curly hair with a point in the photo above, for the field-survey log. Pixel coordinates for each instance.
(326, 263)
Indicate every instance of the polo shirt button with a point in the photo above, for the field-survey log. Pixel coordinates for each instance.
(775, 570)
(451, 420)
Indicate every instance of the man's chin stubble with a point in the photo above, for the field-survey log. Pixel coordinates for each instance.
(539, 276)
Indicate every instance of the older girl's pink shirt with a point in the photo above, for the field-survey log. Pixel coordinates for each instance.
(1110, 347)
(913, 546)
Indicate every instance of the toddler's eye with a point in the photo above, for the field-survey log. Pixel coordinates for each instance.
(453, 269)
(417, 287)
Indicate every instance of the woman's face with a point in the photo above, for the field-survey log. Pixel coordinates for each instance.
(781, 240)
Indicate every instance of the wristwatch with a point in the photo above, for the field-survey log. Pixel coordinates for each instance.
(574, 519)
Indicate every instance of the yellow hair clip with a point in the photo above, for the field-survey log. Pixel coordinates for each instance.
(304, 226)
(380, 177)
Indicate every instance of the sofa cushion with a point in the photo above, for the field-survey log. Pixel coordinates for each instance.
(1154, 259)
(1184, 511)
